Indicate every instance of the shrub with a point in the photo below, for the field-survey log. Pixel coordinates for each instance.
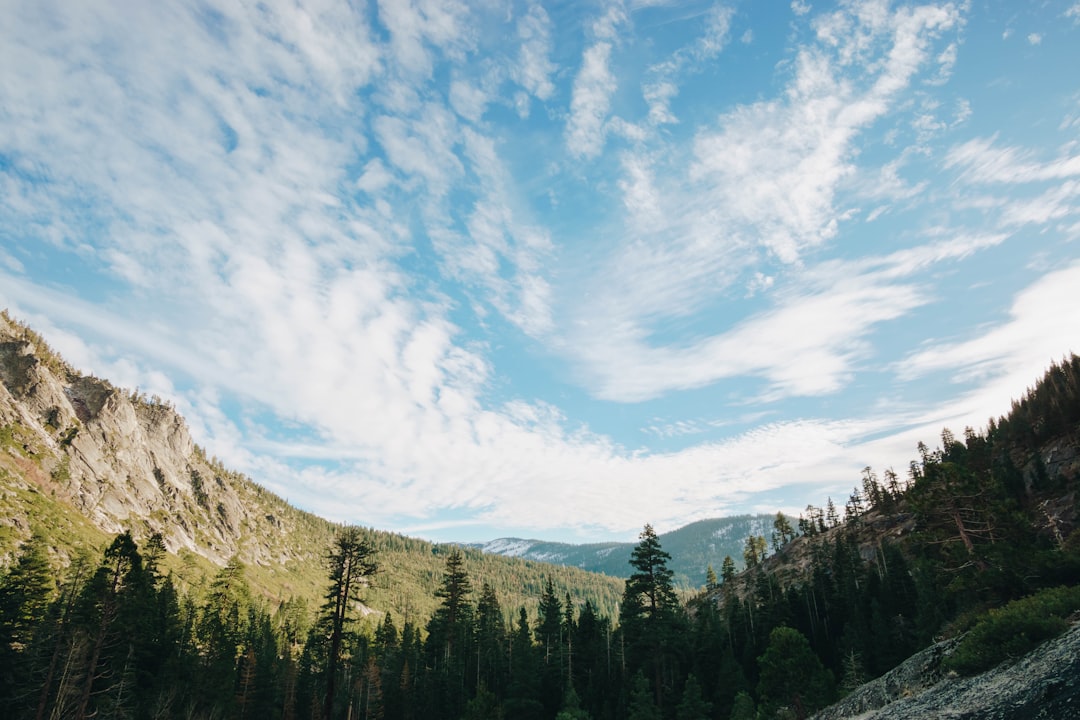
(1014, 630)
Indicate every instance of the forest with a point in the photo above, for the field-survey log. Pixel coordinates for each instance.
(988, 544)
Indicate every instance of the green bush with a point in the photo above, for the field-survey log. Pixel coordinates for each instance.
(1014, 630)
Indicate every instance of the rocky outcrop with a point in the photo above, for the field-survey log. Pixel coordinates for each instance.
(126, 462)
(1042, 685)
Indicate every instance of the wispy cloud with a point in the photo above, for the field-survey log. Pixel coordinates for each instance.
(662, 85)
(534, 67)
(980, 160)
(1043, 321)
(593, 88)
(761, 185)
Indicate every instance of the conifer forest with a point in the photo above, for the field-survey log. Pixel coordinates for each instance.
(974, 525)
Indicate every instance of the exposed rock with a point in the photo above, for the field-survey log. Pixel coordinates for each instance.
(1042, 685)
(126, 462)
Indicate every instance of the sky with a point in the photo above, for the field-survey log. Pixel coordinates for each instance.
(474, 269)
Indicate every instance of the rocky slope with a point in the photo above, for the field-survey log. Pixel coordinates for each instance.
(124, 461)
(1042, 685)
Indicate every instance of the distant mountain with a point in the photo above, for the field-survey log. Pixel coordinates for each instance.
(692, 548)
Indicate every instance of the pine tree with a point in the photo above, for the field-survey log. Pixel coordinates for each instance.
(792, 676)
(754, 550)
(727, 571)
(490, 641)
(642, 704)
(25, 593)
(549, 633)
(783, 533)
(649, 614)
(450, 632)
(352, 563)
(693, 705)
(523, 696)
(100, 609)
(744, 708)
(571, 707)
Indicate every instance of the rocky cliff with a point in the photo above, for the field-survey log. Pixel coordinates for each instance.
(126, 462)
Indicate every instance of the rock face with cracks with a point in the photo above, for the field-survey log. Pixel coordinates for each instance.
(127, 462)
(1042, 685)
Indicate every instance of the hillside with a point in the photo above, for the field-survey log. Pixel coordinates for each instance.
(82, 460)
(693, 548)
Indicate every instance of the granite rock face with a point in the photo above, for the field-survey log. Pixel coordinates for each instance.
(1042, 685)
(126, 462)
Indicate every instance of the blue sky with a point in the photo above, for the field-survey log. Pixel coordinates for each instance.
(474, 269)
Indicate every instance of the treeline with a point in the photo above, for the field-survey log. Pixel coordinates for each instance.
(119, 640)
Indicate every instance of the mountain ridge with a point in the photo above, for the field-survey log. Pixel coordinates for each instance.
(694, 547)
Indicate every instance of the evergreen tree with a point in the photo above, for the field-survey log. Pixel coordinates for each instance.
(26, 591)
(642, 705)
(571, 707)
(693, 705)
(490, 642)
(523, 696)
(783, 533)
(727, 570)
(711, 581)
(792, 676)
(650, 613)
(352, 563)
(754, 550)
(744, 708)
(549, 634)
(222, 632)
(483, 706)
(450, 632)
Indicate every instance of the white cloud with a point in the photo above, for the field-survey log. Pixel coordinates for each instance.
(468, 100)
(422, 146)
(824, 320)
(375, 177)
(1034, 39)
(534, 67)
(417, 27)
(761, 184)
(980, 161)
(590, 102)
(662, 86)
(1055, 204)
(1074, 13)
(1043, 323)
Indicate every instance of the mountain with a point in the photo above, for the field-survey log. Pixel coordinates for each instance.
(82, 460)
(693, 548)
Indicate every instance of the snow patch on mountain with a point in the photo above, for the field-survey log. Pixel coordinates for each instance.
(509, 547)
